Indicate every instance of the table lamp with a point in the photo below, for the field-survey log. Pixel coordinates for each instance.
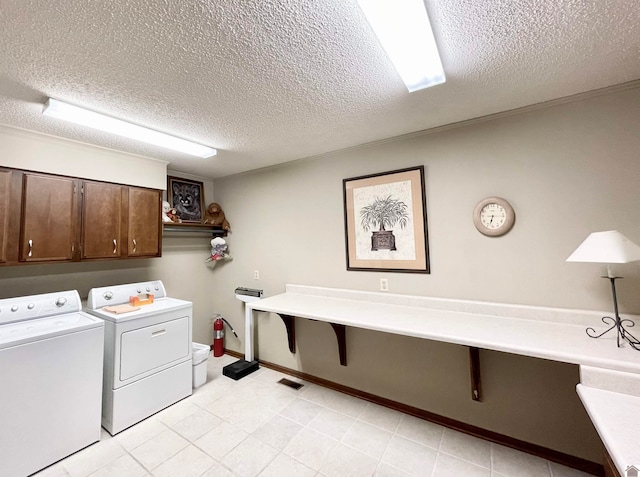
(609, 247)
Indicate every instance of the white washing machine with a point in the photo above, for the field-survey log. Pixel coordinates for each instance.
(50, 380)
(147, 353)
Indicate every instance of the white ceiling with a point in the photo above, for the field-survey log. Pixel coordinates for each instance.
(270, 81)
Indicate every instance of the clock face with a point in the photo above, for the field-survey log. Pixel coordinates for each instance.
(493, 216)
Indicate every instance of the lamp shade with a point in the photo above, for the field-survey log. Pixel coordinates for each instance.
(606, 247)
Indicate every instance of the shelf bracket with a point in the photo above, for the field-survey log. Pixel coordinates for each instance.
(290, 325)
(193, 229)
(474, 368)
(340, 331)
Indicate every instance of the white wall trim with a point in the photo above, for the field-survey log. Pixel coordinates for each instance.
(23, 149)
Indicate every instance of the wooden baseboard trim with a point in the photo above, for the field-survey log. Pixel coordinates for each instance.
(491, 436)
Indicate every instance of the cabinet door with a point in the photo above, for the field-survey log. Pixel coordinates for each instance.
(145, 222)
(102, 211)
(49, 218)
(10, 192)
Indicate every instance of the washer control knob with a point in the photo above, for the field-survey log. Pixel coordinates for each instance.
(31, 306)
(107, 295)
(61, 301)
(148, 289)
(139, 290)
(14, 308)
(157, 287)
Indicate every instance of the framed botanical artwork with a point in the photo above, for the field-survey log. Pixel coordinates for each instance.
(187, 197)
(385, 219)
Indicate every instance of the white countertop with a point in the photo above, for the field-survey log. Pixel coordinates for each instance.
(562, 340)
(616, 417)
(610, 375)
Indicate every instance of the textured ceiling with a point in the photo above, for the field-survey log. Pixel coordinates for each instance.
(272, 81)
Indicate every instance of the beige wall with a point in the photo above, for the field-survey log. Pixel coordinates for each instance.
(39, 152)
(182, 269)
(568, 170)
(182, 265)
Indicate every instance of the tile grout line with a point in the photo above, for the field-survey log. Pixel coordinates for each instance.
(435, 463)
(302, 397)
(458, 457)
(268, 385)
(491, 458)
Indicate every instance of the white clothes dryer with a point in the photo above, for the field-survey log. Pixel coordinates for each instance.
(50, 380)
(147, 353)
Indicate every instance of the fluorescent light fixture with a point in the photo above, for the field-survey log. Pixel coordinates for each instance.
(403, 28)
(84, 117)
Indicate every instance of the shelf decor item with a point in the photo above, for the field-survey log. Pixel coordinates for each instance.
(187, 198)
(219, 250)
(610, 247)
(386, 222)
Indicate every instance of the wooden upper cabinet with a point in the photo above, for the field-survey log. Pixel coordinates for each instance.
(144, 223)
(102, 214)
(5, 188)
(10, 194)
(49, 218)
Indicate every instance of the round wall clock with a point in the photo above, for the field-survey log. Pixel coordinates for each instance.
(493, 216)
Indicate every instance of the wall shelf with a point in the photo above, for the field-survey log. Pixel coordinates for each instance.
(193, 229)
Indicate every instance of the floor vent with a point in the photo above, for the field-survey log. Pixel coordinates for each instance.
(291, 384)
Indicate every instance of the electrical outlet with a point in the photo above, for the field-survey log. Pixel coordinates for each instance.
(256, 274)
(384, 284)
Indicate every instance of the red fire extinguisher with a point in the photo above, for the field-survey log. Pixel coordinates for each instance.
(218, 335)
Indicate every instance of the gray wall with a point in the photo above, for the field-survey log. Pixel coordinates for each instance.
(568, 170)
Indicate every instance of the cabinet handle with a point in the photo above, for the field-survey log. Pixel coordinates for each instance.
(135, 245)
(115, 245)
(158, 333)
(30, 248)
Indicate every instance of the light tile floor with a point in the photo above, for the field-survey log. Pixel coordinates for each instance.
(257, 427)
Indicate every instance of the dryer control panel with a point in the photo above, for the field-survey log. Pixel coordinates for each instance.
(119, 294)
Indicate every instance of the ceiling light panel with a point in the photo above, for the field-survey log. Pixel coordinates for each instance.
(84, 117)
(403, 28)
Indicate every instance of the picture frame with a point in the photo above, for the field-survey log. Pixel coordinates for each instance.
(187, 197)
(385, 217)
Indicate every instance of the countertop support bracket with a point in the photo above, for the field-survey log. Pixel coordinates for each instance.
(474, 368)
(340, 331)
(290, 324)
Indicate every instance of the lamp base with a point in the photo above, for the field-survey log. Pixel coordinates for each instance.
(618, 325)
(616, 322)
